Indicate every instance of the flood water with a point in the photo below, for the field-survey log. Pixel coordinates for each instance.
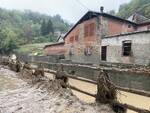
(123, 97)
(19, 96)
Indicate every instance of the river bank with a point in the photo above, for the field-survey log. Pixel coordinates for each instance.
(18, 96)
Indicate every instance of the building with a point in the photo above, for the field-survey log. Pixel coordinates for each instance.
(55, 49)
(99, 36)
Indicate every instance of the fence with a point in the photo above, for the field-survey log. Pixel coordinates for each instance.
(61, 71)
(128, 79)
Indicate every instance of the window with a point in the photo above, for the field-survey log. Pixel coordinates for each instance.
(126, 48)
(89, 30)
(71, 39)
(129, 26)
(76, 38)
(92, 29)
(86, 30)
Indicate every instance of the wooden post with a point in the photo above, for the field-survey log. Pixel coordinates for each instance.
(60, 75)
(106, 91)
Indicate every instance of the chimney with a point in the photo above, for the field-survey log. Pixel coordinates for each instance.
(101, 9)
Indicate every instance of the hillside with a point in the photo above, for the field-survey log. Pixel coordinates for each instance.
(140, 6)
(19, 28)
(32, 49)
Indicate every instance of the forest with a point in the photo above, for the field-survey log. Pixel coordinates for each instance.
(19, 28)
(134, 6)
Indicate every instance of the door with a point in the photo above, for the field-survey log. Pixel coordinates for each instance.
(104, 53)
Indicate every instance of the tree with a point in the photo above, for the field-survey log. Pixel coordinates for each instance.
(140, 6)
(18, 28)
(8, 41)
(43, 28)
(50, 27)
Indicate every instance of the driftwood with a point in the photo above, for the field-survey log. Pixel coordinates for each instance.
(127, 106)
(130, 90)
(4, 61)
(106, 91)
(35, 71)
(116, 105)
(15, 66)
(60, 75)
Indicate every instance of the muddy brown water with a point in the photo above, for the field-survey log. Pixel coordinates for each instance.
(123, 97)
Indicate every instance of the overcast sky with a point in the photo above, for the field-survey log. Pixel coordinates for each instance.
(70, 10)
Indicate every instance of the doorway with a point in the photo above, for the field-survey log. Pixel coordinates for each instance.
(104, 53)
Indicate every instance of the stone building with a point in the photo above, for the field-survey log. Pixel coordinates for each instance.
(99, 36)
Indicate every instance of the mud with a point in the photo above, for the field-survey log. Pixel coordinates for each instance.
(123, 97)
(17, 95)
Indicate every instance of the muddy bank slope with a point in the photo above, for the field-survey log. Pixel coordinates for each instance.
(18, 96)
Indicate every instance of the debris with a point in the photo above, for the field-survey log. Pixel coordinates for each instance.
(46, 96)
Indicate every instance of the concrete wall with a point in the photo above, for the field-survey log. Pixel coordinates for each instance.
(50, 58)
(140, 48)
(140, 81)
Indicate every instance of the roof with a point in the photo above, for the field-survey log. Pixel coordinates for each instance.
(144, 23)
(124, 34)
(92, 14)
(54, 44)
(138, 18)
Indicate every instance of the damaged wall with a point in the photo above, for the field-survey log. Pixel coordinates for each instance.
(81, 48)
(140, 48)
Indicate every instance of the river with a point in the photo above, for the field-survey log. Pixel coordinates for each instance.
(7, 82)
(124, 97)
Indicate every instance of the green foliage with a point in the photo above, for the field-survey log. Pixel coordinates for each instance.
(47, 27)
(8, 43)
(140, 6)
(46, 38)
(50, 28)
(43, 28)
(19, 28)
(31, 48)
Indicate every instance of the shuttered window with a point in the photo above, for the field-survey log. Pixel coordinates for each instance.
(76, 38)
(71, 39)
(89, 29)
(86, 30)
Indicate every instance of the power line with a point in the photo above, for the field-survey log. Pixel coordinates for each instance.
(79, 2)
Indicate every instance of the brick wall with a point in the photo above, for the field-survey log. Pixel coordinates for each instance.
(55, 50)
(85, 48)
(113, 26)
